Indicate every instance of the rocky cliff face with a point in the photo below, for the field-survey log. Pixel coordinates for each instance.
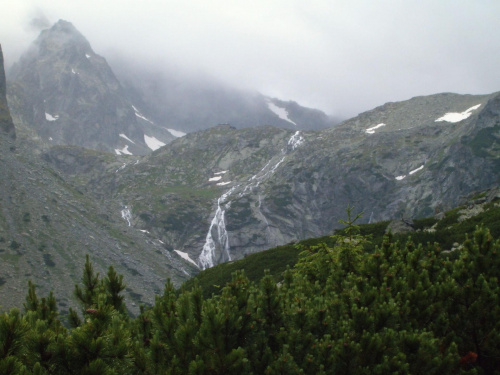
(47, 227)
(6, 124)
(69, 95)
(189, 104)
(63, 93)
(219, 194)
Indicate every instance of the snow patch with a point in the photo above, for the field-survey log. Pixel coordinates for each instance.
(87, 56)
(216, 178)
(123, 151)
(143, 231)
(402, 177)
(282, 113)
(373, 128)
(153, 143)
(223, 183)
(185, 256)
(122, 167)
(73, 71)
(127, 138)
(221, 172)
(49, 117)
(176, 133)
(141, 116)
(416, 170)
(457, 117)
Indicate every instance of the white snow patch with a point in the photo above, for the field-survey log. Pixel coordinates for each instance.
(122, 167)
(123, 151)
(418, 169)
(73, 71)
(50, 138)
(176, 133)
(144, 118)
(153, 143)
(216, 178)
(87, 56)
(127, 138)
(221, 172)
(49, 117)
(141, 116)
(143, 231)
(186, 256)
(223, 183)
(282, 113)
(373, 128)
(296, 140)
(399, 178)
(457, 117)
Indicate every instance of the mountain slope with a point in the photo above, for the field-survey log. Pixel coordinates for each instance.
(47, 227)
(64, 93)
(223, 193)
(195, 103)
(447, 229)
(69, 95)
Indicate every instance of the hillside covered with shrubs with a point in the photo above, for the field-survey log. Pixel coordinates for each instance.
(402, 308)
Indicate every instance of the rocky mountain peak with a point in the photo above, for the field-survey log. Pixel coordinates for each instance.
(61, 36)
(70, 96)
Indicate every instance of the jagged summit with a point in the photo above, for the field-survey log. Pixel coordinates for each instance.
(70, 96)
(61, 36)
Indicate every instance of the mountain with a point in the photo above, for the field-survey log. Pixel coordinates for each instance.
(223, 193)
(47, 227)
(70, 96)
(64, 93)
(214, 195)
(197, 103)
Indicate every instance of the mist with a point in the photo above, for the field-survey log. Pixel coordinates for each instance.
(343, 57)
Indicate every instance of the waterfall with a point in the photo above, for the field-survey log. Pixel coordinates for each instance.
(216, 247)
(126, 215)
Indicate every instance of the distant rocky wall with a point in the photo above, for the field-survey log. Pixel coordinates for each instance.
(6, 124)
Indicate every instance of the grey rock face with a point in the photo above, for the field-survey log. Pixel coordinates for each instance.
(69, 95)
(191, 105)
(223, 193)
(6, 124)
(47, 227)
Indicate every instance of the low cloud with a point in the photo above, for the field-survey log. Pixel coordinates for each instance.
(343, 57)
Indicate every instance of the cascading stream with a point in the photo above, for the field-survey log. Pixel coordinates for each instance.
(126, 215)
(216, 248)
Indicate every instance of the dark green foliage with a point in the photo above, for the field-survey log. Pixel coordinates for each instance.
(399, 308)
(275, 261)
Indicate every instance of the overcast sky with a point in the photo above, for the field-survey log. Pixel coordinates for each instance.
(343, 57)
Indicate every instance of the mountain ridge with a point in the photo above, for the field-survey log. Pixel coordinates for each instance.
(238, 191)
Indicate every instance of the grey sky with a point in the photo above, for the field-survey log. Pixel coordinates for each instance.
(343, 57)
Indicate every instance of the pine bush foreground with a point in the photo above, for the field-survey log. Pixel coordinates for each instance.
(403, 309)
